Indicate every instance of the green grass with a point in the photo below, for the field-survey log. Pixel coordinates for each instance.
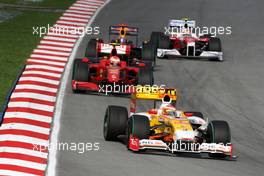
(61, 4)
(17, 43)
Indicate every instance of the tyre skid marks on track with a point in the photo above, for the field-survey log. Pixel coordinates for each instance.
(28, 118)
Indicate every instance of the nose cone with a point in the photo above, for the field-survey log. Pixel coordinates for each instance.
(184, 135)
(113, 75)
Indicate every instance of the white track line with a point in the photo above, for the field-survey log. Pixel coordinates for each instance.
(29, 152)
(74, 19)
(79, 12)
(44, 67)
(70, 23)
(43, 51)
(56, 43)
(35, 87)
(9, 172)
(90, 9)
(23, 163)
(42, 73)
(75, 15)
(30, 116)
(52, 160)
(33, 95)
(44, 80)
(59, 39)
(46, 62)
(30, 105)
(54, 48)
(21, 126)
(50, 57)
(26, 139)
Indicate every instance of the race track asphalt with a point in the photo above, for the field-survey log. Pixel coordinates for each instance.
(232, 90)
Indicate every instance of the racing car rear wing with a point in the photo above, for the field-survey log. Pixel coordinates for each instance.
(123, 29)
(151, 93)
(182, 23)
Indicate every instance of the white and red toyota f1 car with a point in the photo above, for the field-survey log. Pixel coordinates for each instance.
(182, 41)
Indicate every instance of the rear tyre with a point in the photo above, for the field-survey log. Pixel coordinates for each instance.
(164, 42)
(214, 44)
(138, 126)
(145, 76)
(154, 38)
(148, 52)
(115, 122)
(91, 49)
(218, 131)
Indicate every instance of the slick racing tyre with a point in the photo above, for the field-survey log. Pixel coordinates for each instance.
(214, 44)
(148, 52)
(164, 42)
(115, 122)
(138, 126)
(145, 76)
(154, 38)
(91, 49)
(218, 131)
(80, 72)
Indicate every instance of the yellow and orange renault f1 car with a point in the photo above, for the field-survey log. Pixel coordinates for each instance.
(165, 128)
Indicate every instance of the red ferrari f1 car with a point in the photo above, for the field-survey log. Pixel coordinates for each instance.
(119, 63)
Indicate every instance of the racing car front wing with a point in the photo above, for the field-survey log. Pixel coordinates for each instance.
(103, 89)
(175, 53)
(137, 145)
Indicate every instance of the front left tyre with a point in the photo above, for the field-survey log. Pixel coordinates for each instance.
(80, 72)
(115, 122)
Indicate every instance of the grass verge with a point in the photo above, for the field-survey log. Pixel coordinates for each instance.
(61, 4)
(17, 43)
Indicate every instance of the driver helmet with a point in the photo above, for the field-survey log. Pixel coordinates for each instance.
(114, 60)
(122, 40)
(169, 111)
